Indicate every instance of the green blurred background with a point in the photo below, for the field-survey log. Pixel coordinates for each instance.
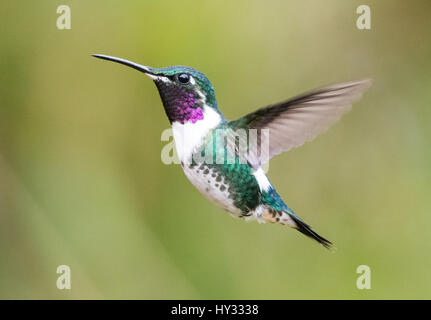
(82, 182)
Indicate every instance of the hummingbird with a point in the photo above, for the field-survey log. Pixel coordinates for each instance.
(242, 188)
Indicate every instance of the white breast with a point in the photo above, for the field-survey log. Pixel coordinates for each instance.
(190, 136)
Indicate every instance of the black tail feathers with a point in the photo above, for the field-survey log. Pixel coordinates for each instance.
(306, 229)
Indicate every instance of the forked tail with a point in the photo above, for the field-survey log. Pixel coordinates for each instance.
(288, 217)
(276, 211)
(306, 229)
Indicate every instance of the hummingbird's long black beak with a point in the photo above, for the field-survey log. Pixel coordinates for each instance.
(128, 63)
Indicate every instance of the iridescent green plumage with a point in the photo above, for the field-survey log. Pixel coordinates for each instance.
(242, 185)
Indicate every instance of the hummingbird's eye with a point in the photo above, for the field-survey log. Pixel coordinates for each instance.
(183, 78)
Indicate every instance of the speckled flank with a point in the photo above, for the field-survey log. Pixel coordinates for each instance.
(235, 188)
(235, 180)
(212, 186)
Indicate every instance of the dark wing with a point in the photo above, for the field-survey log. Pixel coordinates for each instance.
(293, 122)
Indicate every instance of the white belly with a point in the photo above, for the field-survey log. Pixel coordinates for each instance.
(205, 180)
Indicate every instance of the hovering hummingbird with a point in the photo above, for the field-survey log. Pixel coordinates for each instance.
(242, 188)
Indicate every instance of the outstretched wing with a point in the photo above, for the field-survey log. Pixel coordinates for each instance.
(293, 122)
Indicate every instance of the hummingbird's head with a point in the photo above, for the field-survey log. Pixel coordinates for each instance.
(186, 92)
